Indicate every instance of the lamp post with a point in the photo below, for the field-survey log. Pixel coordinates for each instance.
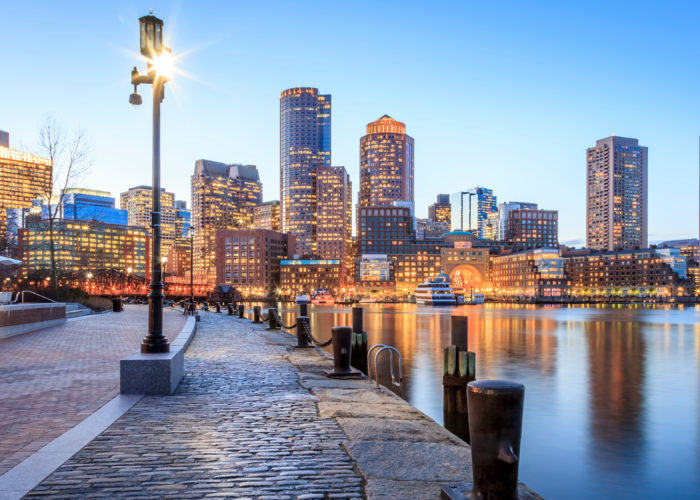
(159, 59)
(191, 234)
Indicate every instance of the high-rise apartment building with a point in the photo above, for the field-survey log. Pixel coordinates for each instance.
(305, 144)
(267, 216)
(334, 214)
(386, 164)
(23, 178)
(223, 197)
(470, 210)
(138, 202)
(616, 194)
(440, 211)
(530, 229)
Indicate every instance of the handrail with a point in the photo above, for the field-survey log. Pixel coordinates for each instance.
(391, 351)
(369, 365)
(38, 295)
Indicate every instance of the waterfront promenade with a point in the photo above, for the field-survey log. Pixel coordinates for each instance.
(255, 418)
(52, 379)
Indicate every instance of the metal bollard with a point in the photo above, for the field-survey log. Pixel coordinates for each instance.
(357, 326)
(230, 309)
(304, 310)
(342, 353)
(302, 337)
(495, 427)
(218, 307)
(272, 318)
(256, 314)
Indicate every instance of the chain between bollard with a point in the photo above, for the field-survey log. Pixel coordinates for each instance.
(279, 322)
(307, 329)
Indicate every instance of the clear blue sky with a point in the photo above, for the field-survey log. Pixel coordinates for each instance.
(506, 95)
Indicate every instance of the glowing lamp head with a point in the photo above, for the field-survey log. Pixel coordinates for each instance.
(164, 64)
(151, 35)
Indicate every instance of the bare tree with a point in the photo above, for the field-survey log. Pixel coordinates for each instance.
(69, 155)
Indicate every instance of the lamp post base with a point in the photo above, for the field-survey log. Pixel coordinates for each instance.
(148, 346)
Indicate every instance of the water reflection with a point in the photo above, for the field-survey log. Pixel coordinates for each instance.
(612, 393)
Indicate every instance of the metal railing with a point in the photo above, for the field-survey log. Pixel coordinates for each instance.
(33, 293)
(391, 350)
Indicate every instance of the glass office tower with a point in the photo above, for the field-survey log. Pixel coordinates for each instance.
(470, 210)
(305, 144)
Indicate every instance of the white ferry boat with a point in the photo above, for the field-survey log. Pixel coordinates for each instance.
(436, 291)
(303, 299)
(322, 297)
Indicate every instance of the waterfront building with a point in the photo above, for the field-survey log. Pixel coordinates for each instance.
(249, 259)
(386, 164)
(470, 210)
(467, 261)
(626, 272)
(498, 221)
(138, 203)
(376, 276)
(616, 194)
(529, 229)
(179, 258)
(305, 144)
(267, 216)
(537, 274)
(440, 211)
(308, 274)
(672, 258)
(183, 219)
(83, 247)
(390, 231)
(428, 228)
(23, 178)
(689, 248)
(223, 197)
(90, 204)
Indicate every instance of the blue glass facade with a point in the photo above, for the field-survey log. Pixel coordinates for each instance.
(82, 204)
(471, 208)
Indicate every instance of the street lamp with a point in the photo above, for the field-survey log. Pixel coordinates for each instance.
(191, 235)
(159, 72)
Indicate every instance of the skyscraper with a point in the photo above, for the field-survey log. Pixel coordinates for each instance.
(90, 204)
(386, 164)
(138, 202)
(267, 216)
(440, 210)
(334, 214)
(23, 178)
(470, 210)
(223, 197)
(305, 144)
(616, 194)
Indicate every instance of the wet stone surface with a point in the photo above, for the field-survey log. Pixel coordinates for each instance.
(239, 425)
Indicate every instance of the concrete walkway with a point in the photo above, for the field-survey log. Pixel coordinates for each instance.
(52, 379)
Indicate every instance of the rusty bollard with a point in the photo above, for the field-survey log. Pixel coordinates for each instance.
(256, 314)
(304, 310)
(302, 337)
(230, 309)
(495, 427)
(272, 318)
(241, 311)
(342, 353)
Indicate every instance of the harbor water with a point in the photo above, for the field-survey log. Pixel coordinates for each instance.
(612, 394)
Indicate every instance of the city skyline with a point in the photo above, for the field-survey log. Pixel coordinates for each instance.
(660, 111)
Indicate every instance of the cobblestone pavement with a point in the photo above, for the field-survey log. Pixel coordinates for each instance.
(239, 425)
(52, 379)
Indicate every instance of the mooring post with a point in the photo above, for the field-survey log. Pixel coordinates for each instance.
(256, 314)
(304, 310)
(272, 318)
(459, 370)
(302, 336)
(230, 309)
(359, 340)
(241, 310)
(218, 307)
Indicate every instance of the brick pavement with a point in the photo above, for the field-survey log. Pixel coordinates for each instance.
(239, 425)
(52, 379)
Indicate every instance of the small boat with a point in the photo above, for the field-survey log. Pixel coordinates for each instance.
(303, 299)
(476, 298)
(322, 297)
(436, 291)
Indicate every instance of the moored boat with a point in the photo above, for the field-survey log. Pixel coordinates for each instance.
(322, 297)
(436, 291)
